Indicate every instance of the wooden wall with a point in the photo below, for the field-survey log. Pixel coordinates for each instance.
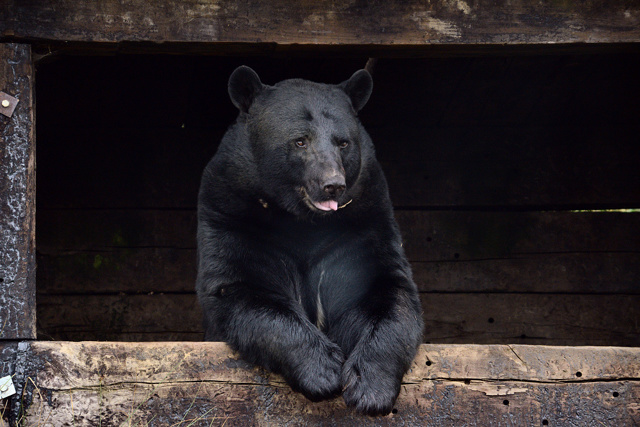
(488, 159)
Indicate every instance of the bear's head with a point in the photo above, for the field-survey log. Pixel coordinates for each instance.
(305, 138)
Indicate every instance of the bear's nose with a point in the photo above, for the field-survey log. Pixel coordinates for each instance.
(334, 188)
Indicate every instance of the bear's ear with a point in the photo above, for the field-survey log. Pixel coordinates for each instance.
(359, 88)
(244, 86)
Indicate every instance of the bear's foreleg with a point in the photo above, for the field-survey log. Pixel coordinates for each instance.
(380, 340)
(272, 331)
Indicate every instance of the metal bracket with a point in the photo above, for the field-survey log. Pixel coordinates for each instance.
(6, 387)
(7, 104)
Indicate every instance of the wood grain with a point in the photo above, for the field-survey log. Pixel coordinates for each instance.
(552, 319)
(17, 197)
(580, 273)
(322, 22)
(123, 317)
(482, 235)
(173, 383)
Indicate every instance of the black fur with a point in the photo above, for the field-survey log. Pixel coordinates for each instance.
(322, 296)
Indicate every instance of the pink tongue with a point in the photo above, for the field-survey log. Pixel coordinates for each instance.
(329, 205)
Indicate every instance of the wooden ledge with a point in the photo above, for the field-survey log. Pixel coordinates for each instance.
(194, 383)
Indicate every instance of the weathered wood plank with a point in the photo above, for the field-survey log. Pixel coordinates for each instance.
(88, 361)
(120, 317)
(323, 22)
(459, 235)
(135, 270)
(173, 383)
(580, 273)
(75, 229)
(552, 319)
(17, 197)
(557, 319)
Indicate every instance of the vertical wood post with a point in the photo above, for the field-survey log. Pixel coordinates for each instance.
(17, 197)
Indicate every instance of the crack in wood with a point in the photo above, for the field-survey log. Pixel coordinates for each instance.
(516, 354)
(282, 385)
(528, 381)
(122, 384)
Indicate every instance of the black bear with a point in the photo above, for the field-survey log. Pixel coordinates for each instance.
(301, 267)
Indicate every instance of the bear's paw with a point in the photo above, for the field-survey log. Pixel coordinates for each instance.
(318, 371)
(368, 387)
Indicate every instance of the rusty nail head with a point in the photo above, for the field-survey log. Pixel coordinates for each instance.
(8, 104)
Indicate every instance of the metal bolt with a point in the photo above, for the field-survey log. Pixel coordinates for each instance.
(5, 103)
(4, 387)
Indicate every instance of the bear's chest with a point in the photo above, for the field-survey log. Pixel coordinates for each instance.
(326, 259)
(307, 242)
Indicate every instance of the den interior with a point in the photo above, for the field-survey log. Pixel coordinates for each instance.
(503, 168)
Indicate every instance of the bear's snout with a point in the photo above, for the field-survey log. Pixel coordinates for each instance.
(334, 186)
(323, 193)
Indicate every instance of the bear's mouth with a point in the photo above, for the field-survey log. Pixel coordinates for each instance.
(324, 206)
(320, 206)
(329, 205)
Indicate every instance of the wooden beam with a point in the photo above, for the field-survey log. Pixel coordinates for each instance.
(90, 383)
(17, 197)
(325, 22)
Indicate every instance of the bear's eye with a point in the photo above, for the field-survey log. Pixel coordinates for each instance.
(301, 142)
(343, 143)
